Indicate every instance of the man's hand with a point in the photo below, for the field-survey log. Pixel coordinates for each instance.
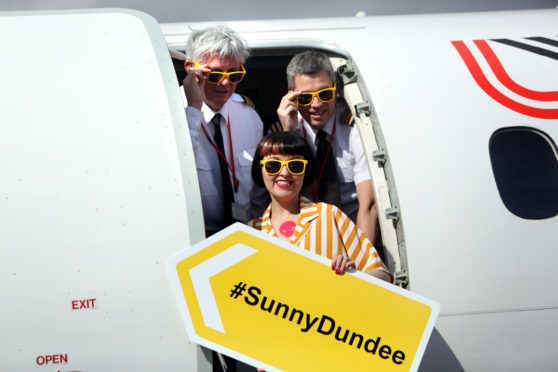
(194, 84)
(288, 111)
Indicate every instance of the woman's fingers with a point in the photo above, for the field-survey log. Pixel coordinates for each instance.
(341, 263)
(338, 264)
(350, 264)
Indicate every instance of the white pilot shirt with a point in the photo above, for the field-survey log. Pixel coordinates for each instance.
(350, 159)
(246, 132)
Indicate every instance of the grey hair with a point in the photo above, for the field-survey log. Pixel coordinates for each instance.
(309, 63)
(220, 40)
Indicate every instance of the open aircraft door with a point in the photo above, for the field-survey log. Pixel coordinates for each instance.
(97, 189)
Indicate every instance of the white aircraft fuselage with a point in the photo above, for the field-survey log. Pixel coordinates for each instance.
(98, 189)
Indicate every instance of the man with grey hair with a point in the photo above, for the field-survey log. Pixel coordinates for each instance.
(312, 109)
(224, 128)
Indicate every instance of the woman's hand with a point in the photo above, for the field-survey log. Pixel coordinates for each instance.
(341, 263)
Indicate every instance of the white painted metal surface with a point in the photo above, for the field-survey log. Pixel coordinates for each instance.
(96, 191)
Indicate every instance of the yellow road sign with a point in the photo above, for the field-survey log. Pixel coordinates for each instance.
(276, 306)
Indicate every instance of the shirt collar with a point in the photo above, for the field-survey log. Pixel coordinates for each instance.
(308, 213)
(308, 210)
(329, 125)
(311, 132)
(208, 113)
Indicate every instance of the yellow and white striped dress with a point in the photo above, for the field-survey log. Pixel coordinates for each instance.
(325, 230)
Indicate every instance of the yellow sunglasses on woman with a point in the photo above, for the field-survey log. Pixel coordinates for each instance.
(274, 166)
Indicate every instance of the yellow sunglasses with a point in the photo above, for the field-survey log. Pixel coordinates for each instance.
(324, 95)
(274, 166)
(216, 77)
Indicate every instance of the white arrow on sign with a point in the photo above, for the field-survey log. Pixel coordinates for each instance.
(201, 274)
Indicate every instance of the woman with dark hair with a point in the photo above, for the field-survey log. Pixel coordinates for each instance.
(284, 164)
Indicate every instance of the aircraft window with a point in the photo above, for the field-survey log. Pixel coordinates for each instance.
(525, 166)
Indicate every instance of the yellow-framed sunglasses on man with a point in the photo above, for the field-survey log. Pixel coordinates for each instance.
(324, 95)
(216, 77)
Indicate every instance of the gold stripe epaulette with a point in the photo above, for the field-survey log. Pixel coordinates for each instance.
(347, 117)
(248, 101)
(276, 127)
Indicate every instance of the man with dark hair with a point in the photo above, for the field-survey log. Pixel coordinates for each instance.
(224, 128)
(312, 109)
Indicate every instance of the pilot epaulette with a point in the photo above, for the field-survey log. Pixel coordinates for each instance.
(276, 127)
(248, 101)
(347, 117)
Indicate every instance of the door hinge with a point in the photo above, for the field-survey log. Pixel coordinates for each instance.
(401, 278)
(379, 156)
(363, 109)
(347, 74)
(393, 214)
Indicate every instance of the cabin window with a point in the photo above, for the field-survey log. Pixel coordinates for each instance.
(525, 166)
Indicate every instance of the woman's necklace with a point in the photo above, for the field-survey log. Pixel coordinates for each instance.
(287, 228)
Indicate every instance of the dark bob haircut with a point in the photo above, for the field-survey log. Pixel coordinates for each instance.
(283, 143)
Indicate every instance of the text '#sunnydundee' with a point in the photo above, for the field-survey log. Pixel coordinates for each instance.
(324, 324)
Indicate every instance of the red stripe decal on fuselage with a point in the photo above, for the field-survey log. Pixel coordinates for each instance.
(489, 89)
(506, 80)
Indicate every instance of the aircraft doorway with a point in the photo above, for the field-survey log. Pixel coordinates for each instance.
(265, 84)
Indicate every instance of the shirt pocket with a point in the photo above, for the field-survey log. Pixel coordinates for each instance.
(346, 171)
(209, 188)
(244, 161)
(202, 163)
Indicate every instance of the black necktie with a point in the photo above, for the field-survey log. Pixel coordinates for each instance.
(223, 167)
(328, 189)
